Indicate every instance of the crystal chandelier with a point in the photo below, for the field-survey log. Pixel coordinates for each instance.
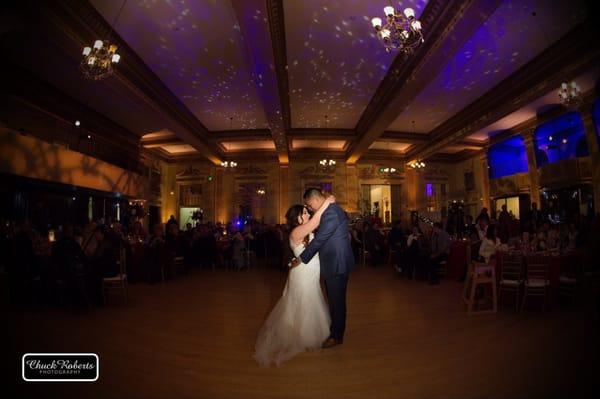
(98, 61)
(326, 165)
(387, 170)
(417, 165)
(402, 31)
(229, 164)
(570, 94)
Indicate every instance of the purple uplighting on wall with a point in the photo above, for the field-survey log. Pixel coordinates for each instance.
(429, 189)
(559, 139)
(507, 157)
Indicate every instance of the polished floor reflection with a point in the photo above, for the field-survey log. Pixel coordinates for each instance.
(193, 337)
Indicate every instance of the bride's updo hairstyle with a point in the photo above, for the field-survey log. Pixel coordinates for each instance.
(292, 215)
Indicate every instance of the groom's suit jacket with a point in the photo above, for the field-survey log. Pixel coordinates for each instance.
(332, 242)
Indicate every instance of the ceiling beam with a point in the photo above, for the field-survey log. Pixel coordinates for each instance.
(569, 57)
(160, 142)
(403, 137)
(447, 25)
(79, 22)
(267, 61)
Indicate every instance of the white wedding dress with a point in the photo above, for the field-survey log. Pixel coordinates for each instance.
(300, 320)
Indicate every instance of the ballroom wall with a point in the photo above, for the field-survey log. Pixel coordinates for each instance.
(34, 158)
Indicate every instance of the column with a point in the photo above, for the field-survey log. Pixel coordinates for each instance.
(485, 184)
(224, 198)
(534, 174)
(284, 202)
(352, 188)
(169, 192)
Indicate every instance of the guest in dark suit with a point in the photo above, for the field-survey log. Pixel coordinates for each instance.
(440, 249)
(332, 242)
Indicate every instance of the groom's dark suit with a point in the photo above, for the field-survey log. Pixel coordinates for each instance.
(332, 242)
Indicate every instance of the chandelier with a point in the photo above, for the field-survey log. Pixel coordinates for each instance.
(387, 170)
(326, 165)
(402, 31)
(417, 165)
(98, 60)
(229, 164)
(570, 94)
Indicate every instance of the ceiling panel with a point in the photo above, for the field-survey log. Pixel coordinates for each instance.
(248, 145)
(335, 62)
(179, 149)
(453, 149)
(517, 32)
(339, 145)
(196, 49)
(390, 146)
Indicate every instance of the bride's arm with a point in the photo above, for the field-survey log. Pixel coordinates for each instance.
(305, 229)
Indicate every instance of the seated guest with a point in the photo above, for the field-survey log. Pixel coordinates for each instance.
(489, 245)
(356, 237)
(470, 228)
(440, 249)
(137, 232)
(89, 239)
(103, 262)
(69, 264)
(504, 221)
(483, 215)
(205, 246)
(396, 243)
(238, 246)
(104, 258)
(482, 226)
(572, 237)
(157, 256)
(67, 256)
(412, 256)
(372, 243)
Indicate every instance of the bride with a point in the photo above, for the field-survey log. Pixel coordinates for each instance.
(300, 319)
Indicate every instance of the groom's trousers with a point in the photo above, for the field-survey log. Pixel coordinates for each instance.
(336, 294)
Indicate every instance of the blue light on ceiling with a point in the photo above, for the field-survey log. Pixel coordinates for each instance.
(507, 157)
(560, 138)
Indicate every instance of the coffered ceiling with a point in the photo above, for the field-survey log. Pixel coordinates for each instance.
(287, 78)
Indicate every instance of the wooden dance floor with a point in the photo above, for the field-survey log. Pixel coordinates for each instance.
(193, 337)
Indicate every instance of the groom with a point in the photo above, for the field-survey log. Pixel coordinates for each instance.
(332, 242)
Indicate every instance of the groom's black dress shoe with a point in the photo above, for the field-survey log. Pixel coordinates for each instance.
(330, 342)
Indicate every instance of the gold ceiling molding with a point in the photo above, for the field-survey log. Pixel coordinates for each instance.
(81, 22)
(570, 56)
(408, 76)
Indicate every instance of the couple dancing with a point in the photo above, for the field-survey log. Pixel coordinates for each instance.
(301, 319)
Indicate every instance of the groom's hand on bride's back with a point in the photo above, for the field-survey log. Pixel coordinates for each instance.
(294, 262)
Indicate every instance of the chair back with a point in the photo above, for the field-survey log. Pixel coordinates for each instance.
(537, 267)
(512, 266)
